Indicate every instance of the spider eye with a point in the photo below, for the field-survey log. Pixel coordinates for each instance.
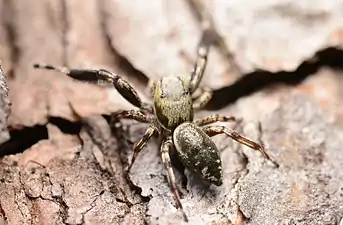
(186, 92)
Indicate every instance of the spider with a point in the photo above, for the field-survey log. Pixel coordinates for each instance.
(172, 116)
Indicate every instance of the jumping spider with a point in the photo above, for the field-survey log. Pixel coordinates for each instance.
(171, 115)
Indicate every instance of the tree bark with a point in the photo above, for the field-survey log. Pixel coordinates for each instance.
(64, 162)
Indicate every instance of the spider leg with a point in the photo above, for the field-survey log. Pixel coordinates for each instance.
(166, 146)
(203, 99)
(214, 118)
(200, 64)
(215, 130)
(217, 118)
(133, 115)
(142, 142)
(122, 86)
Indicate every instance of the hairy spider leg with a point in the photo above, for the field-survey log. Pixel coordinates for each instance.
(133, 115)
(201, 101)
(201, 61)
(166, 147)
(215, 130)
(122, 86)
(215, 118)
(152, 129)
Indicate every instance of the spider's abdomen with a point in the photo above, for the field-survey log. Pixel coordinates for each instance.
(198, 152)
(172, 102)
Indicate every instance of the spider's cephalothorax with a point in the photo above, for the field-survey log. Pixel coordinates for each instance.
(171, 115)
(172, 102)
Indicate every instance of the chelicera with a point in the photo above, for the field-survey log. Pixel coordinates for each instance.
(172, 116)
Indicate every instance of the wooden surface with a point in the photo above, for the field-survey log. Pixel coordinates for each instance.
(275, 63)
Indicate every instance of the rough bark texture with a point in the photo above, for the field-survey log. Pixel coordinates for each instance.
(275, 62)
(4, 106)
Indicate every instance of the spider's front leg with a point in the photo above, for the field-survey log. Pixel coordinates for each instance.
(166, 147)
(201, 101)
(133, 115)
(122, 86)
(200, 64)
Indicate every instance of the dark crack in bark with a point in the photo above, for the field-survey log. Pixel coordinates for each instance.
(259, 80)
(24, 138)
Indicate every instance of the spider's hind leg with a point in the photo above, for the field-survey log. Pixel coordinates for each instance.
(215, 130)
